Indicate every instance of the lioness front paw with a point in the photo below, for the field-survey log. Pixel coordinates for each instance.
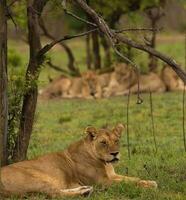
(147, 184)
(86, 190)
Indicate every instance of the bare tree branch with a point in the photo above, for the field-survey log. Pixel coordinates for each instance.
(137, 29)
(51, 65)
(12, 3)
(47, 47)
(93, 24)
(75, 16)
(71, 59)
(9, 15)
(116, 38)
(175, 66)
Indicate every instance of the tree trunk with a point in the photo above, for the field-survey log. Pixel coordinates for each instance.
(88, 52)
(153, 62)
(3, 84)
(30, 97)
(88, 45)
(154, 14)
(106, 47)
(96, 50)
(71, 60)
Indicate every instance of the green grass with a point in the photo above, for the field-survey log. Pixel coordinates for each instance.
(58, 123)
(61, 122)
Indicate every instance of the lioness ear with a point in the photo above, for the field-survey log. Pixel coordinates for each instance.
(118, 129)
(91, 131)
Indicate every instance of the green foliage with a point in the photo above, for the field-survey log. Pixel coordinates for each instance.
(14, 60)
(20, 14)
(107, 8)
(127, 51)
(151, 3)
(15, 94)
(56, 12)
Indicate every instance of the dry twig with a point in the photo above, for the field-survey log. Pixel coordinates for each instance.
(47, 47)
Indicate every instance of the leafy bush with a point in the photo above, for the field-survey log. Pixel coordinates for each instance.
(14, 60)
(16, 90)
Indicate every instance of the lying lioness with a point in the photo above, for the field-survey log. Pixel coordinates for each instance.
(73, 171)
(85, 86)
(171, 79)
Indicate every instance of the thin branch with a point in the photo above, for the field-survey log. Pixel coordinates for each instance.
(45, 31)
(115, 38)
(9, 15)
(71, 59)
(128, 136)
(79, 18)
(183, 103)
(93, 24)
(139, 99)
(47, 47)
(137, 29)
(108, 32)
(152, 121)
(184, 136)
(51, 65)
(171, 62)
(12, 3)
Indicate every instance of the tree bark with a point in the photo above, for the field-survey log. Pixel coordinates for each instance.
(32, 74)
(88, 45)
(154, 14)
(88, 52)
(152, 59)
(96, 50)
(3, 84)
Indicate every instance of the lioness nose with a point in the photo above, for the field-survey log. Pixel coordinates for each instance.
(114, 153)
(92, 94)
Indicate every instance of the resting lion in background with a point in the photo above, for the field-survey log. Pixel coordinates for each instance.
(121, 79)
(73, 171)
(171, 79)
(85, 86)
(148, 82)
(126, 77)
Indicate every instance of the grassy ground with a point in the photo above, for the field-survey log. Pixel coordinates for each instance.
(60, 122)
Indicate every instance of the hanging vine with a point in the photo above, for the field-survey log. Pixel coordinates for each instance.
(128, 138)
(183, 103)
(152, 121)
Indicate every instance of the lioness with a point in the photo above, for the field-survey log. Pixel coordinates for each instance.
(125, 78)
(91, 80)
(171, 79)
(148, 82)
(71, 172)
(56, 88)
(85, 86)
(121, 79)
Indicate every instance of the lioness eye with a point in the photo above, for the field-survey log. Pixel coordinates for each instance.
(104, 142)
(116, 141)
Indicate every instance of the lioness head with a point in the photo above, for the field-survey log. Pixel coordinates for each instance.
(105, 142)
(90, 78)
(124, 72)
